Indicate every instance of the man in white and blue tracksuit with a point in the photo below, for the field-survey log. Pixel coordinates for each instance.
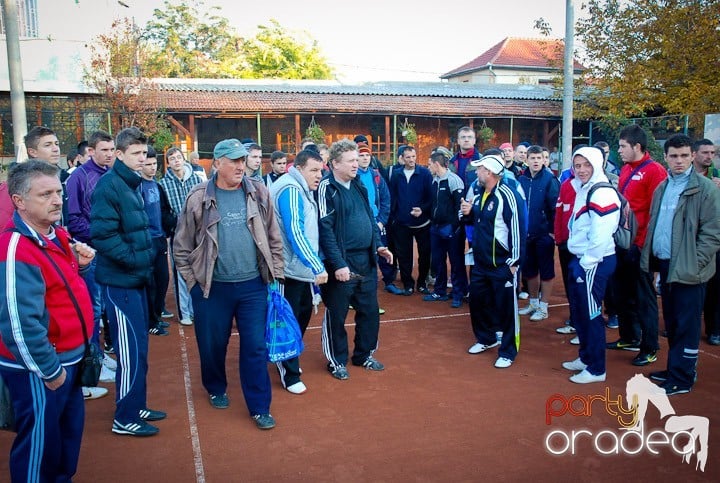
(497, 243)
(591, 243)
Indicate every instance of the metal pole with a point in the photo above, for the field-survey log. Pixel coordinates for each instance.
(17, 91)
(259, 134)
(567, 127)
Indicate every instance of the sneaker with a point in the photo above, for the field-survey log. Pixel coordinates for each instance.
(530, 309)
(660, 376)
(381, 311)
(423, 289)
(433, 297)
(523, 295)
(456, 303)
(477, 348)
(372, 364)
(297, 388)
(503, 363)
(157, 330)
(643, 359)
(575, 340)
(576, 365)
(93, 392)
(110, 363)
(186, 322)
(566, 329)
(408, 292)
(167, 315)
(540, 314)
(714, 339)
(264, 421)
(612, 322)
(163, 324)
(339, 372)
(152, 415)
(134, 429)
(622, 345)
(673, 389)
(107, 374)
(391, 288)
(219, 401)
(585, 377)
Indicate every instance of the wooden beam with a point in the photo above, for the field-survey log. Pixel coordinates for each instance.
(298, 137)
(179, 126)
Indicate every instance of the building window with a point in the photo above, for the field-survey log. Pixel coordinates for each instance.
(27, 19)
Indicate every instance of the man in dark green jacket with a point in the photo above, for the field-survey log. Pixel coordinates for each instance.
(119, 232)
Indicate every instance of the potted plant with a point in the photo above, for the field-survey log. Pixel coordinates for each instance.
(485, 134)
(407, 130)
(315, 132)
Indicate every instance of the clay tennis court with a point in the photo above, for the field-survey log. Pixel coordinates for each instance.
(435, 414)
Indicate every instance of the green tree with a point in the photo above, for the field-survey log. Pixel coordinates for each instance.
(649, 57)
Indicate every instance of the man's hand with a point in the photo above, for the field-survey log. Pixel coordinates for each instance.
(321, 278)
(57, 383)
(84, 252)
(716, 181)
(386, 254)
(416, 211)
(465, 207)
(513, 269)
(342, 274)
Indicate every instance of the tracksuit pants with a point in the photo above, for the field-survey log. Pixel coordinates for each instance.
(711, 312)
(128, 319)
(95, 291)
(157, 289)
(246, 302)
(682, 311)
(299, 295)
(442, 248)
(388, 270)
(182, 295)
(586, 298)
(337, 296)
(638, 312)
(493, 306)
(404, 245)
(49, 427)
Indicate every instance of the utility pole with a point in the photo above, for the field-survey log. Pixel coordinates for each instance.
(17, 91)
(569, 70)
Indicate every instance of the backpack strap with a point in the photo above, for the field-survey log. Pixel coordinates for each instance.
(634, 172)
(593, 188)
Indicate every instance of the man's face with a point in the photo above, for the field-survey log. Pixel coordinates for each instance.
(409, 158)
(583, 169)
(104, 153)
(466, 140)
(312, 172)
(325, 154)
(433, 167)
(149, 168)
(48, 149)
(521, 153)
(279, 165)
(535, 163)
(230, 172)
(483, 174)
(704, 156)
(176, 162)
(42, 206)
(86, 155)
(627, 152)
(508, 155)
(546, 157)
(254, 160)
(364, 160)
(134, 156)
(345, 167)
(679, 159)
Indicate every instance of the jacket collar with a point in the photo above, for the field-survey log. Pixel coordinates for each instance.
(130, 177)
(19, 225)
(210, 195)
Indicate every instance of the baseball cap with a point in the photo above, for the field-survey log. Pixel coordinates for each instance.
(493, 164)
(229, 148)
(505, 146)
(363, 148)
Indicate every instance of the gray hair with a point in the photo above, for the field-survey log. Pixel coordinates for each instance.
(22, 175)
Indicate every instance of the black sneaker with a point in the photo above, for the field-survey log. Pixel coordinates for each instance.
(339, 372)
(167, 315)
(408, 291)
(264, 421)
(623, 345)
(659, 376)
(219, 401)
(134, 429)
(163, 324)
(714, 339)
(371, 364)
(152, 415)
(423, 290)
(673, 389)
(643, 359)
(157, 330)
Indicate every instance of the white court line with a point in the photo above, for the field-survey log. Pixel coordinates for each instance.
(194, 435)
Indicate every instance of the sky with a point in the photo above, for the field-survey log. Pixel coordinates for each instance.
(375, 40)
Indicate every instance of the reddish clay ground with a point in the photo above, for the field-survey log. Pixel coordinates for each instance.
(435, 414)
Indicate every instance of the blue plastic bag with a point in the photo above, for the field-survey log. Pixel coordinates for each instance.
(282, 332)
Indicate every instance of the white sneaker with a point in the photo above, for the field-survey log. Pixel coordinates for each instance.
(523, 295)
(530, 309)
(585, 377)
(297, 388)
(186, 321)
(565, 329)
(477, 348)
(575, 340)
(110, 363)
(106, 374)
(503, 363)
(576, 365)
(94, 392)
(540, 314)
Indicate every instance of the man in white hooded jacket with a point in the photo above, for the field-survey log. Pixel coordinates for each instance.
(591, 226)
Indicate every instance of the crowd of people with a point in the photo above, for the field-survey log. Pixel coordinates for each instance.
(328, 224)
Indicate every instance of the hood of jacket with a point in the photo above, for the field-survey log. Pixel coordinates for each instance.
(596, 159)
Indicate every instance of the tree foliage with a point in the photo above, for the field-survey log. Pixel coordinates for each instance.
(649, 57)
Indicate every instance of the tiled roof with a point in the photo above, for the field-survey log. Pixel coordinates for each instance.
(518, 53)
(233, 96)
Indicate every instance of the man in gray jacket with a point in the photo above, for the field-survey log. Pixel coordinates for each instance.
(297, 213)
(682, 239)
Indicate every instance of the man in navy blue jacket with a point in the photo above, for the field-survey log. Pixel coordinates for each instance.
(411, 203)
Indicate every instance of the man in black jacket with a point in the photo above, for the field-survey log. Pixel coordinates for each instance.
(118, 228)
